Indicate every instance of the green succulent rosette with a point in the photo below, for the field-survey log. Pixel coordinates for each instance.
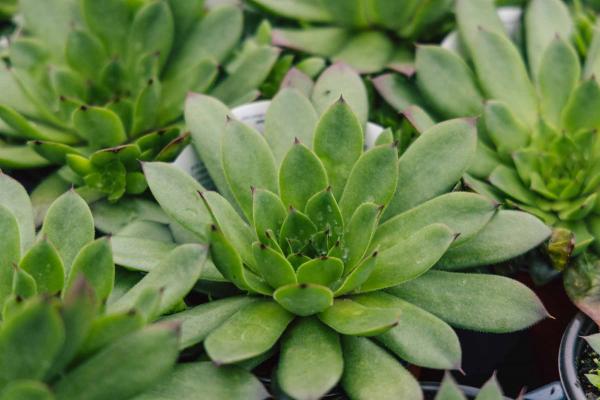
(538, 149)
(94, 97)
(72, 327)
(344, 259)
(368, 35)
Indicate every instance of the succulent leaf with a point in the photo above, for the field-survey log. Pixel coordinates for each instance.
(385, 378)
(311, 352)
(264, 321)
(484, 296)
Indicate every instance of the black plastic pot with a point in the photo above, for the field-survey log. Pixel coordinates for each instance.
(570, 351)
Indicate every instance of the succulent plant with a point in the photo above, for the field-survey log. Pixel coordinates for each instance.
(336, 246)
(450, 391)
(65, 332)
(538, 149)
(593, 376)
(354, 31)
(95, 97)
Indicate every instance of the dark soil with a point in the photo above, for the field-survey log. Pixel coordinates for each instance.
(584, 365)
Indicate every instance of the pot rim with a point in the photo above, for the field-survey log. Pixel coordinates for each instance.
(570, 347)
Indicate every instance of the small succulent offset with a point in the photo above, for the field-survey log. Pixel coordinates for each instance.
(539, 149)
(335, 247)
(593, 376)
(352, 31)
(65, 333)
(95, 97)
(450, 391)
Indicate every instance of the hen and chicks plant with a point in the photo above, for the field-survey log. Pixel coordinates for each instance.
(352, 248)
(95, 86)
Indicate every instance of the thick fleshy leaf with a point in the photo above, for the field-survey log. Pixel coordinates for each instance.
(409, 258)
(504, 129)
(296, 231)
(367, 52)
(26, 390)
(234, 228)
(337, 81)
(94, 13)
(310, 352)
(503, 76)
(509, 182)
(349, 317)
(268, 213)
(496, 304)
(544, 21)
(370, 372)
(69, 226)
(447, 82)
(433, 164)
(325, 213)
(283, 127)
(14, 197)
(358, 275)
(49, 21)
(251, 331)
(338, 142)
(174, 276)
(84, 53)
(198, 322)
(44, 264)
(139, 254)
(23, 285)
(359, 232)
(464, 213)
(248, 162)
(420, 338)
(307, 10)
(95, 263)
(177, 193)
(21, 157)
(558, 75)
(304, 299)
(398, 91)
(206, 117)
(471, 16)
(321, 271)
(248, 76)
(29, 341)
(586, 96)
(301, 176)
(508, 235)
(213, 36)
(145, 357)
(214, 382)
(490, 391)
(449, 390)
(273, 266)
(79, 309)
(372, 179)
(99, 126)
(108, 328)
(10, 253)
(320, 41)
(152, 30)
